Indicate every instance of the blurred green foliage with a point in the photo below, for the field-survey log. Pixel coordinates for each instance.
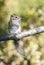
(32, 14)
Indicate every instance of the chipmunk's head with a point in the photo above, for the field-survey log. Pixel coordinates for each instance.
(15, 19)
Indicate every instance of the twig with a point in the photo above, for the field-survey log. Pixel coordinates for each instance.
(23, 34)
(31, 32)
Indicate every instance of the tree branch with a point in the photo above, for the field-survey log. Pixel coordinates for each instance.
(23, 34)
(31, 32)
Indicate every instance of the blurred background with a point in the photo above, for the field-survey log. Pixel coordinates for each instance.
(32, 14)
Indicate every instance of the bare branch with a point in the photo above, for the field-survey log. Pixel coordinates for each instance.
(23, 34)
(31, 32)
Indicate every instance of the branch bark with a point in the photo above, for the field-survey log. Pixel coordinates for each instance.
(31, 32)
(23, 34)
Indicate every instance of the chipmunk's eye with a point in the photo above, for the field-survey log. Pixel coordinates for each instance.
(15, 17)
